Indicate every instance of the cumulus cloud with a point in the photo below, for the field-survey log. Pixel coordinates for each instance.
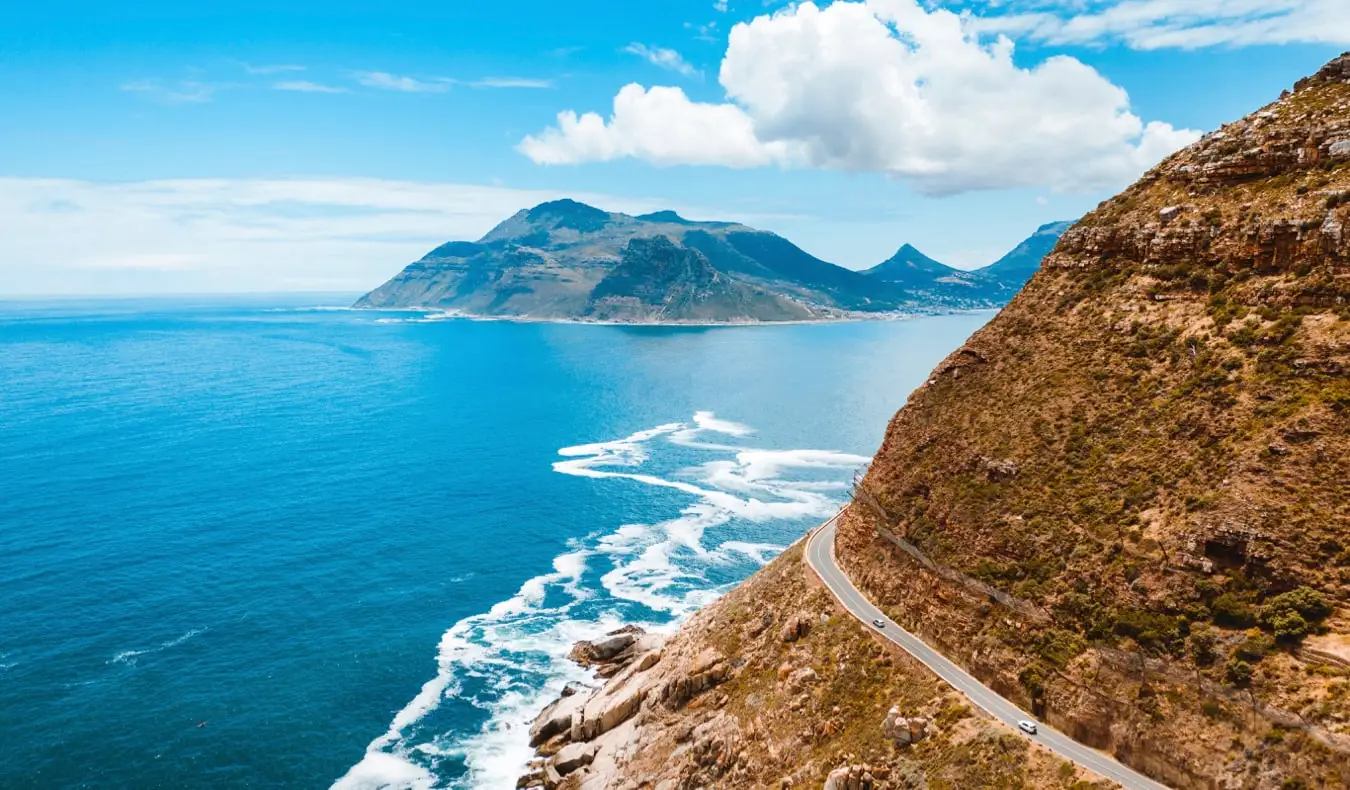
(883, 86)
(667, 59)
(394, 82)
(225, 235)
(1158, 24)
(661, 125)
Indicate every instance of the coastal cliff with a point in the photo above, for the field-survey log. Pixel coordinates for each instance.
(1147, 453)
(1122, 505)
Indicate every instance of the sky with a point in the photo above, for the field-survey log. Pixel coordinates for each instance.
(156, 148)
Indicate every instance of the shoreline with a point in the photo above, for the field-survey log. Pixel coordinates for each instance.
(434, 314)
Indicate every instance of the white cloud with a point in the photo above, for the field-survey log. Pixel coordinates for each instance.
(209, 235)
(720, 6)
(660, 125)
(394, 82)
(305, 86)
(884, 86)
(667, 59)
(176, 92)
(1158, 24)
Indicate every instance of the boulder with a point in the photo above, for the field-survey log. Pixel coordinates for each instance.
(801, 678)
(904, 731)
(556, 718)
(574, 756)
(609, 708)
(850, 777)
(797, 627)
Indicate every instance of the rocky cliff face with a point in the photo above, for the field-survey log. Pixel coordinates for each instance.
(1147, 452)
(567, 260)
(1122, 504)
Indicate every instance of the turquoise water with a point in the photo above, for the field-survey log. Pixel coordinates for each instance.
(261, 544)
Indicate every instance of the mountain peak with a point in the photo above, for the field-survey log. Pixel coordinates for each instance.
(664, 216)
(908, 266)
(568, 213)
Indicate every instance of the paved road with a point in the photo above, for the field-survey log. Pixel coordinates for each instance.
(820, 554)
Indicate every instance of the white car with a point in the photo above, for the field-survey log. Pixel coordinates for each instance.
(1029, 727)
(879, 623)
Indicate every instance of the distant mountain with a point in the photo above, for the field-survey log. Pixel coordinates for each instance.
(567, 260)
(923, 277)
(1013, 270)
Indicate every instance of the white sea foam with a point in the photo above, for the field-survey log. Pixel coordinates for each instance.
(130, 657)
(512, 660)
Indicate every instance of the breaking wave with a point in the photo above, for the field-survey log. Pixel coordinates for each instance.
(130, 657)
(739, 505)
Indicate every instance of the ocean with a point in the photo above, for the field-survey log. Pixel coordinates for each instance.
(267, 542)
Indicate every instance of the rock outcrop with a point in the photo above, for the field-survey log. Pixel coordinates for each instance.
(851, 777)
(904, 731)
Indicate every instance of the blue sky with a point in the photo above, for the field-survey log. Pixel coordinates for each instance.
(156, 147)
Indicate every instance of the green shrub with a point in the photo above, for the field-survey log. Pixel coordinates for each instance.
(1149, 628)
(1202, 646)
(1308, 603)
(1238, 672)
(1232, 611)
(1288, 626)
(1254, 648)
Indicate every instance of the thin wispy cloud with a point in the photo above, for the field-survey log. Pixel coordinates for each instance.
(278, 68)
(720, 6)
(707, 32)
(235, 235)
(662, 57)
(177, 92)
(510, 82)
(305, 86)
(1166, 24)
(383, 80)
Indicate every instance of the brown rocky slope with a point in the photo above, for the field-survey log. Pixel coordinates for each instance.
(773, 686)
(1123, 504)
(1147, 453)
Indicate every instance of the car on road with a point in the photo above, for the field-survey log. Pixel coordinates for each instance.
(1029, 727)
(879, 623)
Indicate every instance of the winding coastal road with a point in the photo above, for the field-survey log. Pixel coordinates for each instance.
(820, 555)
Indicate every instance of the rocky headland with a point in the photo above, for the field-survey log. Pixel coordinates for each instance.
(773, 686)
(568, 261)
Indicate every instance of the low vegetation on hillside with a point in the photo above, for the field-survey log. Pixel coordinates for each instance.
(1150, 446)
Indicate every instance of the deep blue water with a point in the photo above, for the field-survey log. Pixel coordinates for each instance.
(241, 544)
